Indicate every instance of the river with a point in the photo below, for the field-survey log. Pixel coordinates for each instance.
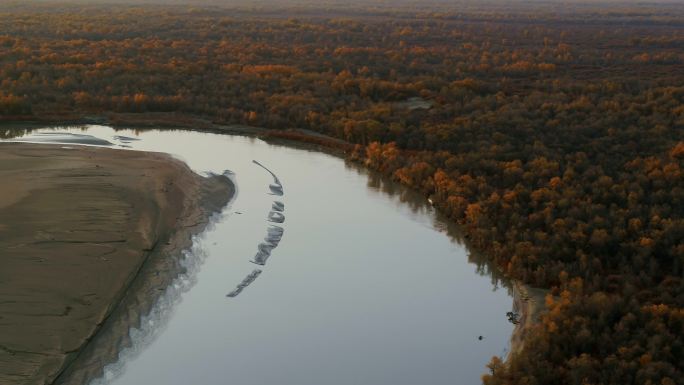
(367, 285)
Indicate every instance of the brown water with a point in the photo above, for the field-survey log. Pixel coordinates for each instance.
(365, 284)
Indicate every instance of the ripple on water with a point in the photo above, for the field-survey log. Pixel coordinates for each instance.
(63, 138)
(251, 277)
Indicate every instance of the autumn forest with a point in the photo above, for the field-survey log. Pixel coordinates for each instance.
(552, 133)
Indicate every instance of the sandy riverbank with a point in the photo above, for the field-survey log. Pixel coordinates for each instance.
(529, 303)
(77, 227)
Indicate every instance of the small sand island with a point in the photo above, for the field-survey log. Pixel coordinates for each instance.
(77, 225)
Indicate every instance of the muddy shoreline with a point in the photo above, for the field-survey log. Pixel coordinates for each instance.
(83, 231)
(163, 266)
(529, 304)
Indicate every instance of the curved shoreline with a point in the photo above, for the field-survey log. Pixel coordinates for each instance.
(82, 232)
(154, 278)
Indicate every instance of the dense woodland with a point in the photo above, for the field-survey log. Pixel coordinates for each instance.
(553, 133)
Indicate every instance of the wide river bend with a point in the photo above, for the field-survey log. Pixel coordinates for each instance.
(363, 283)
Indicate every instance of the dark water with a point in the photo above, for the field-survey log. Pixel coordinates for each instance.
(365, 284)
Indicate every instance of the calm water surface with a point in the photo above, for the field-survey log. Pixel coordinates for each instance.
(365, 287)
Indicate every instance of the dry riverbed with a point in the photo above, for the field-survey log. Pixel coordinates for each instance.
(77, 226)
